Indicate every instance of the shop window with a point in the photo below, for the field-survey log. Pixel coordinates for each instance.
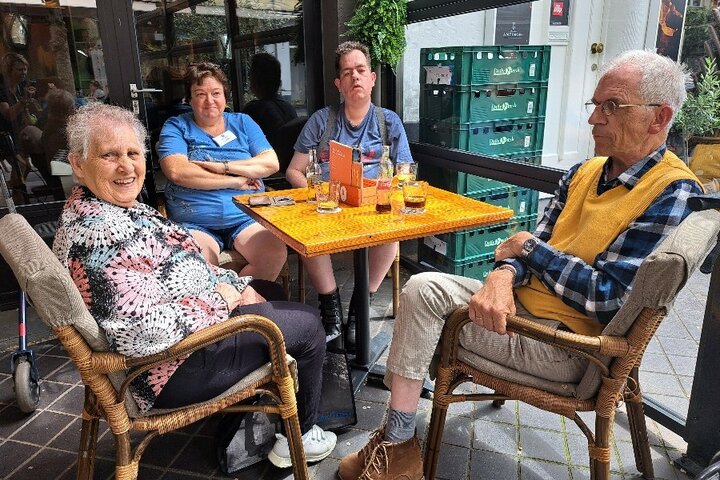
(52, 62)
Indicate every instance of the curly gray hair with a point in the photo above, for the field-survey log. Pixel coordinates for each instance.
(94, 119)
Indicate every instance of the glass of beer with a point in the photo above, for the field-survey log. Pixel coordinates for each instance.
(327, 196)
(415, 196)
(405, 172)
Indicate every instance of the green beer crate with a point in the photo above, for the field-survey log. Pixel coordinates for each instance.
(485, 64)
(499, 138)
(471, 244)
(522, 201)
(457, 182)
(476, 268)
(466, 183)
(465, 104)
(497, 196)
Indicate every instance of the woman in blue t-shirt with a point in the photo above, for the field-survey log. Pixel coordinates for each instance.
(209, 156)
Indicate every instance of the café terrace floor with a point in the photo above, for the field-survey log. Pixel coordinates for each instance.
(515, 442)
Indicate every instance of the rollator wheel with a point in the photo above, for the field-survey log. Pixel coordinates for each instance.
(27, 389)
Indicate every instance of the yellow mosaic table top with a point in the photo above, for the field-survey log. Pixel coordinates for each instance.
(311, 233)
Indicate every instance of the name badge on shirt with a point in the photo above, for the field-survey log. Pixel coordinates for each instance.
(225, 137)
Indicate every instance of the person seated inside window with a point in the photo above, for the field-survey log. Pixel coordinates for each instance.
(270, 111)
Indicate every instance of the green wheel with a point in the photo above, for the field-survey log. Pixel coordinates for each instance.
(27, 389)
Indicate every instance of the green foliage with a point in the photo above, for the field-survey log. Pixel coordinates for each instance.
(380, 24)
(696, 33)
(700, 115)
(190, 28)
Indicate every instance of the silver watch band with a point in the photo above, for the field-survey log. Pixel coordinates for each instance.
(507, 266)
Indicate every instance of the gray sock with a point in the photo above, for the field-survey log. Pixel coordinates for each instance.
(400, 426)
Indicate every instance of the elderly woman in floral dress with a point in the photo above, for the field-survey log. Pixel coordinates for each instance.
(146, 282)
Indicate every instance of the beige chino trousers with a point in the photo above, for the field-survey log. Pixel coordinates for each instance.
(427, 299)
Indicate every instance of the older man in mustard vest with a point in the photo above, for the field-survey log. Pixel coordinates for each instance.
(574, 272)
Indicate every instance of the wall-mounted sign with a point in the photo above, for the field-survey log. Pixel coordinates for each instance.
(559, 12)
(512, 25)
(670, 27)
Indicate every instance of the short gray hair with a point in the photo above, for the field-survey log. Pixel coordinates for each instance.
(662, 79)
(96, 118)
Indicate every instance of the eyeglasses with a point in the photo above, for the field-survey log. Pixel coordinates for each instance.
(609, 107)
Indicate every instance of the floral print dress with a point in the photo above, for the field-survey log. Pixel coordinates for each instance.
(143, 279)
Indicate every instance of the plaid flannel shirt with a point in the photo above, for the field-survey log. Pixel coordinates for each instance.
(599, 290)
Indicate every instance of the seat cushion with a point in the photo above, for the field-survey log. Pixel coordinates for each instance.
(511, 375)
(246, 382)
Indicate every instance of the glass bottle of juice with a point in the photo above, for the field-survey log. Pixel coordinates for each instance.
(313, 174)
(384, 182)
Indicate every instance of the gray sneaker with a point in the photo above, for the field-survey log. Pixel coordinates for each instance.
(317, 443)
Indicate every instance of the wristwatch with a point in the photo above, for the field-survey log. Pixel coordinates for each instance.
(528, 247)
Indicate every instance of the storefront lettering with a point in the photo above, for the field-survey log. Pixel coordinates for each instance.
(494, 243)
(503, 107)
(501, 72)
(501, 141)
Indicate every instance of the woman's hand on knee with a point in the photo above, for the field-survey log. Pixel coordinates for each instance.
(234, 298)
(230, 294)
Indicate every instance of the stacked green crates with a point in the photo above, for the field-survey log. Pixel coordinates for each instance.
(489, 100)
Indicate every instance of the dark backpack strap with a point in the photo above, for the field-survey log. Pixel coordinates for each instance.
(380, 114)
(329, 133)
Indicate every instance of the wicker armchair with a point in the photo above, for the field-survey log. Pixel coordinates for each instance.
(613, 357)
(106, 374)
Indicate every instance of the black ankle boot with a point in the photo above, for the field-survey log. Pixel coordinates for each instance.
(331, 314)
(349, 329)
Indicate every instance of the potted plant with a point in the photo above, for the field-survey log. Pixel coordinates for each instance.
(380, 24)
(699, 122)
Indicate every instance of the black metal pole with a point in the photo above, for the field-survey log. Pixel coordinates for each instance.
(702, 428)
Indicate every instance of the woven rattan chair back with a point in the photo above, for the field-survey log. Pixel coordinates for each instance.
(59, 304)
(613, 357)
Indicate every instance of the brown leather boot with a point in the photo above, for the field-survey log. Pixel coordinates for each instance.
(381, 460)
(352, 465)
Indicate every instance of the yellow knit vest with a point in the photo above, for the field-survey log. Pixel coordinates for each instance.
(589, 223)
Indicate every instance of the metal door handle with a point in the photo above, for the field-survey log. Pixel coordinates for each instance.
(597, 47)
(134, 90)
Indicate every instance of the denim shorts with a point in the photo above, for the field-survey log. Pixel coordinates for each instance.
(225, 237)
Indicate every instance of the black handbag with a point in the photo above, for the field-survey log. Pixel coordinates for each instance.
(337, 401)
(245, 438)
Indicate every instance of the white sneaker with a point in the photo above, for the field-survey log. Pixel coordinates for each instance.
(317, 443)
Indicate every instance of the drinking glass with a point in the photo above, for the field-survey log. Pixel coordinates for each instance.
(397, 204)
(405, 172)
(415, 196)
(327, 196)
